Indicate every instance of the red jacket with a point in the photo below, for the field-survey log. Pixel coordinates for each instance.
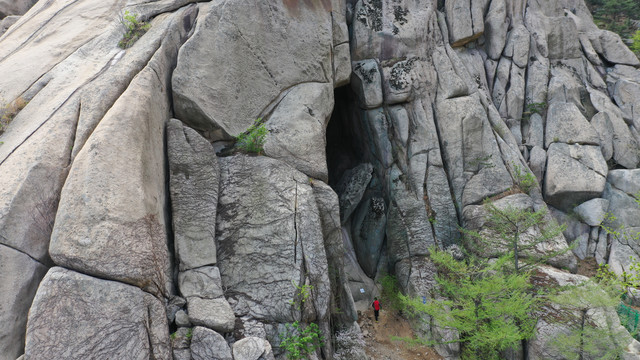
(376, 305)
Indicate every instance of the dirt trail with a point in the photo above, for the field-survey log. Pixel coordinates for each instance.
(378, 338)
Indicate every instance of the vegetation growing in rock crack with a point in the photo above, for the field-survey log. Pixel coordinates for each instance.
(134, 28)
(525, 180)
(253, 139)
(301, 296)
(9, 111)
(301, 340)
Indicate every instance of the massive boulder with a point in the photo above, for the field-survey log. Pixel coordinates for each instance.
(266, 204)
(75, 316)
(217, 94)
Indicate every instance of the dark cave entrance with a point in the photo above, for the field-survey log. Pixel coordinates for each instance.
(349, 146)
(345, 139)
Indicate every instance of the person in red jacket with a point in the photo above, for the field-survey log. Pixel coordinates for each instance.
(376, 307)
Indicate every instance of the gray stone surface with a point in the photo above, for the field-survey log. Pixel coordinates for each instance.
(615, 51)
(252, 348)
(517, 46)
(19, 279)
(575, 174)
(592, 212)
(397, 81)
(461, 23)
(625, 180)
(351, 187)
(15, 7)
(209, 345)
(297, 129)
(6, 23)
(259, 43)
(368, 226)
(269, 234)
(328, 205)
(75, 316)
(110, 221)
(566, 124)
(563, 38)
(215, 314)
(193, 185)
(366, 82)
(496, 25)
(182, 319)
(538, 162)
(203, 282)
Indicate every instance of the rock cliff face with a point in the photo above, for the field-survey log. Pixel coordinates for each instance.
(125, 214)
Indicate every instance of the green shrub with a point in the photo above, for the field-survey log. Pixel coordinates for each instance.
(391, 293)
(133, 29)
(526, 180)
(253, 139)
(301, 342)
(636, 42)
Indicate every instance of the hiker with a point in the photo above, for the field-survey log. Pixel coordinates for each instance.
(376, 307)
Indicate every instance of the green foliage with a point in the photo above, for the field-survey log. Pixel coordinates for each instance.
(507, 226)
(9, 111)
(588, 340)
(299, 342)
(535, 108)
(302, 294)
(525, 179)
(133, 29)
(490, 305)
(635, 46)
(253, 139)
(390, 294)
(615, 15)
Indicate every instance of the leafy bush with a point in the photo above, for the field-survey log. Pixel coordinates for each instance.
(390, 293)
(9, 111)
(636, 42)
(526, 180)
(134, 29)
(301, 296)
(301, 342)
(253, 139)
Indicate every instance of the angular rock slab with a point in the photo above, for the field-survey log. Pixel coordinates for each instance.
(352, 186)
(575, 174)
(297, 129)
(19, 279)
(209, 345)
(110, 221)
(269, 235)
(566, 124)
(366, 82)
(593, 211)
(215, 314)
(252, 348)
(193, 185)
(75, 316)
(218, 94)
(15, 7)
(203, 282)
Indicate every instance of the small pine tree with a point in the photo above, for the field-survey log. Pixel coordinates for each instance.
(489, 305)
(509, 225)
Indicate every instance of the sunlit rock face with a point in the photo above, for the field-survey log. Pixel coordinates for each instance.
(386, 125)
